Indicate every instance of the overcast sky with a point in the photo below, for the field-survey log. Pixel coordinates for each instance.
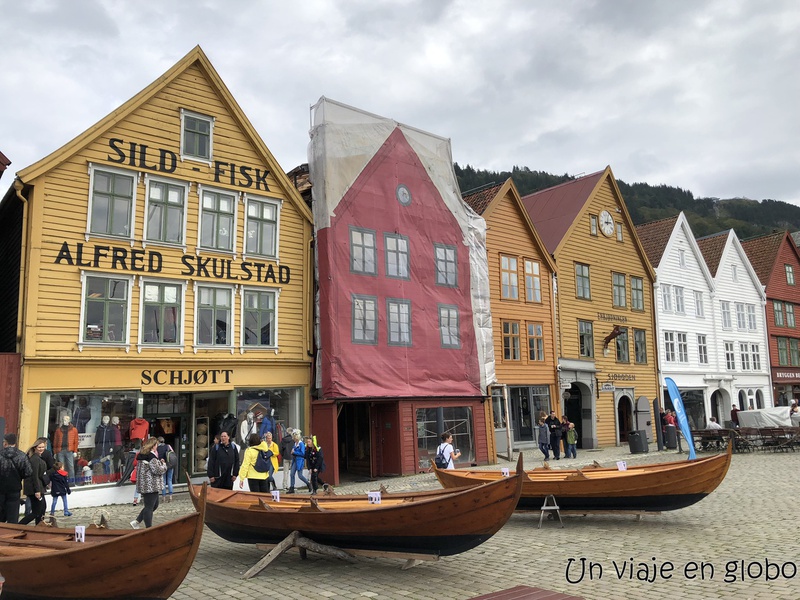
(703, 95)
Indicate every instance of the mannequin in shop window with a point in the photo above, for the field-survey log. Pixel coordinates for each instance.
(81, 415)
(247, 428)
(267, 424)
(117, 436)
(65, 445)
(103, 447)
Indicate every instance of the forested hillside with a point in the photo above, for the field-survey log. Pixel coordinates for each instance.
(651, 202)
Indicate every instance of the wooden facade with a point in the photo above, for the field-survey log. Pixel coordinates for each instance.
(204, 312)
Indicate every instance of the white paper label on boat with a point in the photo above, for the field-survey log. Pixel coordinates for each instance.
(622, 465)
(505, 472)
(374, 497)
(80, 533)
(276, 495)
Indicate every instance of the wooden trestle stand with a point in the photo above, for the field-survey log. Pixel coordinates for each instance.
(303, 544)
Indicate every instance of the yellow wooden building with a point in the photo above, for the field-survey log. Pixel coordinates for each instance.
(523, 317)
(604, 308)
(164, 269)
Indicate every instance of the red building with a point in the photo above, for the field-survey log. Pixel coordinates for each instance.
(776, 261)
(401, 353)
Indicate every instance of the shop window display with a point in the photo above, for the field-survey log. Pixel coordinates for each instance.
(433, 422)
(88, 432)
(260, 411)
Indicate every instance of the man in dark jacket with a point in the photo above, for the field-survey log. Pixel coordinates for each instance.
(223, 462)
(287, 444)
(554, 426)
(14, 468)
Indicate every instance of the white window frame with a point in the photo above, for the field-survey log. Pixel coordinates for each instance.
(82, 343)
(136, 176)
(396, 251)
(744, 356)
(390, 302)
(180, 344)
(196, 290)
(682, 258)
(669, 346)
(449, 309)
(702, 349)
(274, 347)
(593, 225)
(752, 323)
(278, 204)
(536, 279)
(680, 302)
(187, 187)
(237, 198)
(699, 305)
(725, 308)
(666, 297)
(730, 356)
(212, 121)
(735, 272)
(755, 353)
(682, 346)
(741, 316)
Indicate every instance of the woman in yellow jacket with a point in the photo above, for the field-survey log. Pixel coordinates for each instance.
(256, 480)
(273, 460)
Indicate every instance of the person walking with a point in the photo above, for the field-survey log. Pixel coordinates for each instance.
(256, 480)
(287, 443)
(34, 485)
(564, 429)
(273, 460)
(149, 481)
(571, 440)
(554, 426)
(59, 488)
(298, 461)
(543, 437)
(163, 451)
(316, 464)
(223, 462)
(447, 451)
(14, 469)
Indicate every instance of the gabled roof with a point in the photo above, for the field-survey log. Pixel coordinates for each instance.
(712, 246)
(655, 236)
(195, 57)
(763, 252)
(555, 209)
(484, 200)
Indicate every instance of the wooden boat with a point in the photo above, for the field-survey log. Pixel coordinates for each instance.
(642, 488)
(438, 523)
(47, 562)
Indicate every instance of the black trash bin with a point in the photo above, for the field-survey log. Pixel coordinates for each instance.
(671, 437)
(637, 440)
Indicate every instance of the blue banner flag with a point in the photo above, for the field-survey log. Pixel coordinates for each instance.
(683, 422)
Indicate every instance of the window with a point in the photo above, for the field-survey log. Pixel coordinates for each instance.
(669, 346)
(735, 272)
(756, 356)
(623, 347)
(741, 317)
(794, 352)
(105, 317)
(683, 347)
(535, 341)
(510, 340)
(682, 258)
(725, 306)
(533, 282)
(396, 256)
(783, 351)
(702, 349)
(261, 227)
(699, 308)
(730, 357)
(679, 303)
(744, 355)
(789, 314)
(161, 313)
(620, 294)
(196, 132)
(586, 339)
(398, 318)
(217, 225)
(593, 224)
(259, 324)
(214, 316)
(448, 326)
(363, 251)
(666, 297)
(509, 288)
(640, 346)
(637, 293)
(777, 309)
(166, 210)
(365, 320)
(619, 232)
(112, 202)
(751, 317)
(446, 265)
(789, 274)
(582, 284)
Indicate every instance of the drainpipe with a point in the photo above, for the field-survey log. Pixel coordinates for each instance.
(18, 187)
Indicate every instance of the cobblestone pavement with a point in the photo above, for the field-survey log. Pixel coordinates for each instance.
(745, 535)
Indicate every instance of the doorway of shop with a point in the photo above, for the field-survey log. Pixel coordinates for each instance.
(572, 399)
(624, 418)
(355, 444)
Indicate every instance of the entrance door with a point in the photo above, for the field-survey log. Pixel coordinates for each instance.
(574, 413)
(355, 446)
(624, 418)
(521, 414)
(387, 438)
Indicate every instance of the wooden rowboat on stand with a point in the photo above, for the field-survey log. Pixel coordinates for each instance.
(440, 523)
(641, 488)
(146, 564)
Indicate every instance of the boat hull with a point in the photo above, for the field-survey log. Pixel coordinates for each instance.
(440, 524)
(644, 488)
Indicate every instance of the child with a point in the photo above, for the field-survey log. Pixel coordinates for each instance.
(59, 488)
(572, 441)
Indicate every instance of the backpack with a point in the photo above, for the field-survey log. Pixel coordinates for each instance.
(440, 461)
(263, 462)
(171, 459)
